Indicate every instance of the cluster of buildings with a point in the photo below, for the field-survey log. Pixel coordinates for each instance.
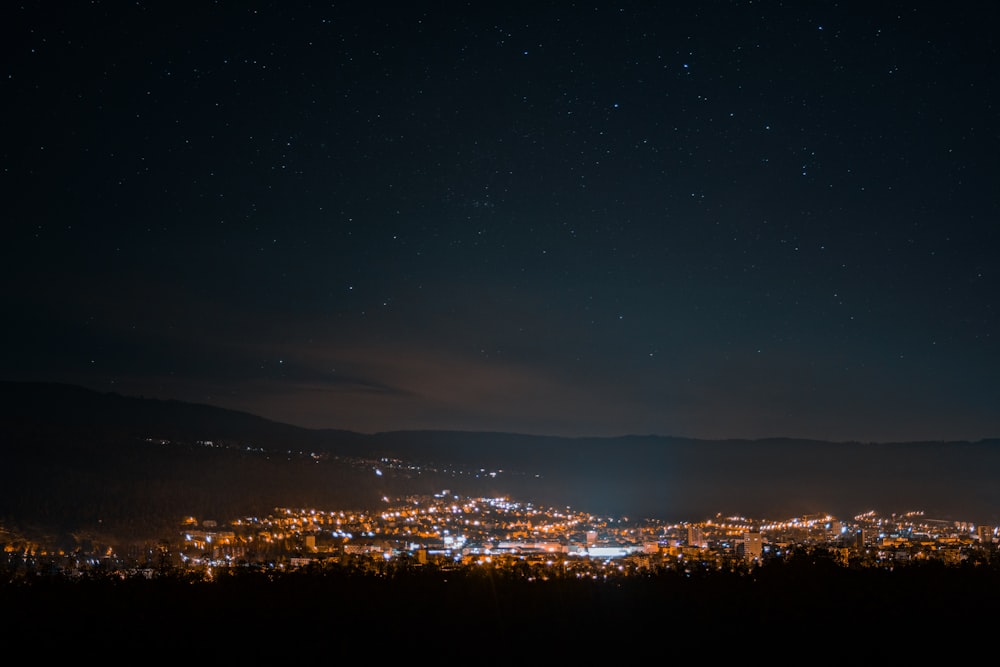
(447, 530)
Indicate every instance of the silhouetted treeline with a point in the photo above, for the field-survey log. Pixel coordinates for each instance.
(804, 601)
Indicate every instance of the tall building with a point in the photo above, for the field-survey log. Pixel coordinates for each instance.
(861, 539)
(696, 538)
(753, 546)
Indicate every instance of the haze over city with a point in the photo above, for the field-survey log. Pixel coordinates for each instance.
(709, 220)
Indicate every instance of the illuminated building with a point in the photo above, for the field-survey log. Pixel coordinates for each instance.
(752, 546)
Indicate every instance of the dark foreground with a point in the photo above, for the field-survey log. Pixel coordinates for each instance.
(483, 617)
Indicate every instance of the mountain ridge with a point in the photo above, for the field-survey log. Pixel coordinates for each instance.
(16, 391)
(68, 448)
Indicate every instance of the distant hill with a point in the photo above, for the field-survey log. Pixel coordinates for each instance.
(60, 408)
(72, 458)
(679, 478)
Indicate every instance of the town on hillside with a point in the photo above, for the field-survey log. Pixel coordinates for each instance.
(444, 530)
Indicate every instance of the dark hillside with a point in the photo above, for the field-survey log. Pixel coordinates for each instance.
(75, 458)
(40, 408)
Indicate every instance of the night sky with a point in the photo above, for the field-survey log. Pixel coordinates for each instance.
(712, 220)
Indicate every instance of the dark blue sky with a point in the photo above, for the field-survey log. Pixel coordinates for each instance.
(723, 219)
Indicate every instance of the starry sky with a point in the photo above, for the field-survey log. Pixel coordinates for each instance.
(710, 220)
